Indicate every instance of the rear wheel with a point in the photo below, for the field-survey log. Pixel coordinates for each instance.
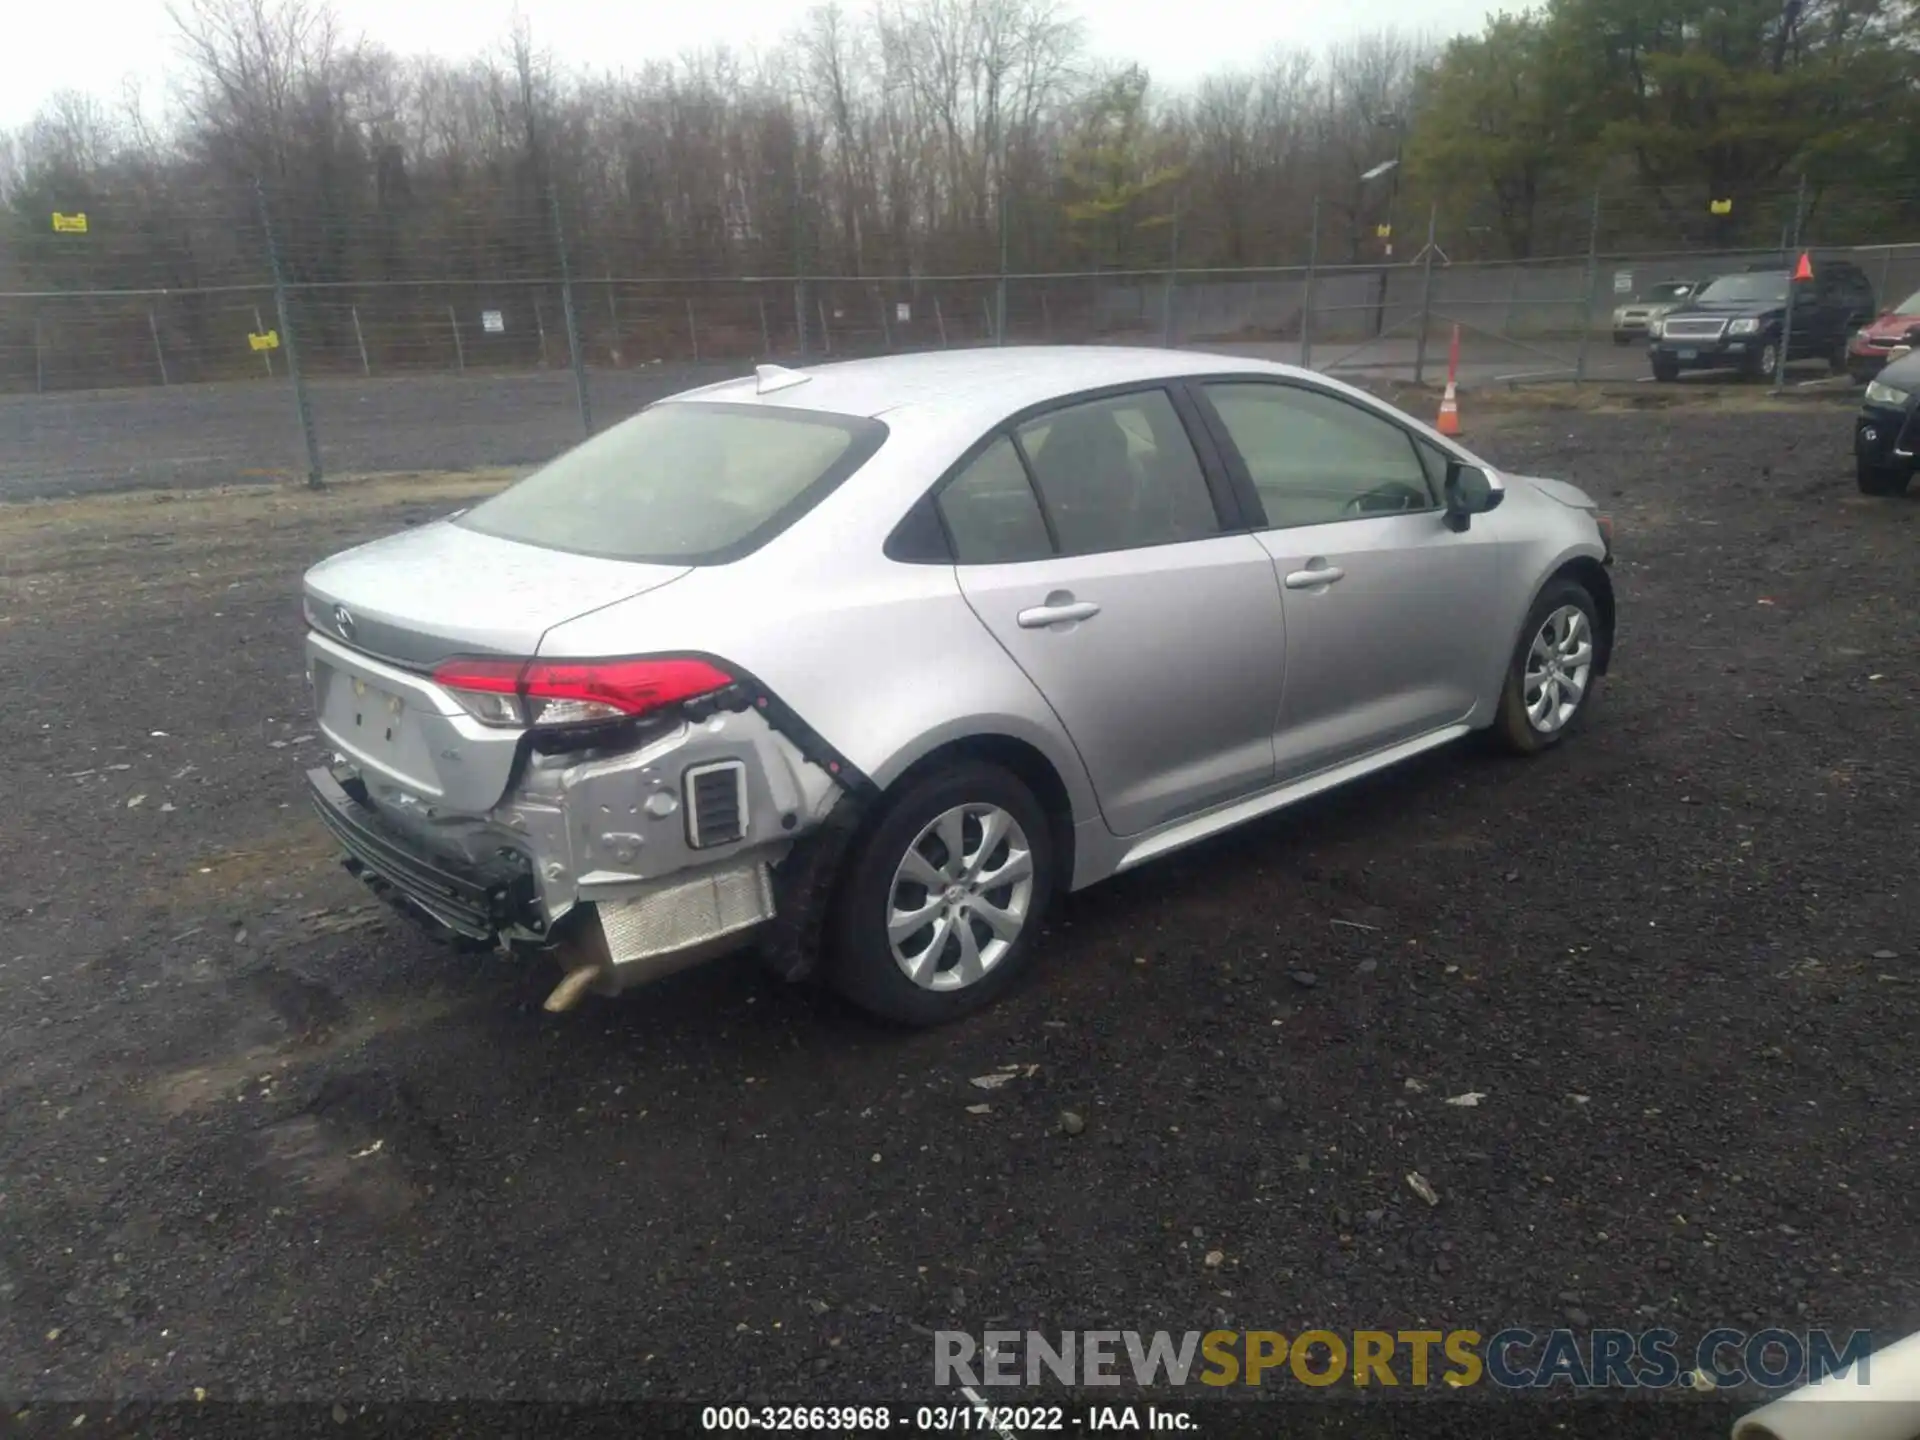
(942, 899)
(1881, 479)
(1551, 675)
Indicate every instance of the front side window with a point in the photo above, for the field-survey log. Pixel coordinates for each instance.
(682, 483)
(1119, 474)
(1315, 458)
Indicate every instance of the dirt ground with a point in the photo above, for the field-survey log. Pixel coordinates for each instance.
(259, 1139)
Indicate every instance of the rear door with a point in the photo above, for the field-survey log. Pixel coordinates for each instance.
(1094, 546)
(1390, 614)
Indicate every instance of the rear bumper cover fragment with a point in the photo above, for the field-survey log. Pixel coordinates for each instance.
(456, 897)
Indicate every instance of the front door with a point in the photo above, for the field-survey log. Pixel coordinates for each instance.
(1387, 609)
(1089, 543)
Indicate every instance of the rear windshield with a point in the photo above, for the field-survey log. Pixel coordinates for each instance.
(682, 483)
(1765, 286)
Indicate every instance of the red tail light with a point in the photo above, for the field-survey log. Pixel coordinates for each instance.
(573, 692)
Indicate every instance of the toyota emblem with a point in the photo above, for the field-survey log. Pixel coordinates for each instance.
(343, 621)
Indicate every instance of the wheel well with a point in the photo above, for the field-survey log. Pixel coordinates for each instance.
(1593, 576)
(1035, 771)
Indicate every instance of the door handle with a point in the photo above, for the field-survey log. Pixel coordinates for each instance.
(1314, 579)
(1041, 616)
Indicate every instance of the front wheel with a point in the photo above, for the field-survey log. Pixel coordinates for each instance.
(1881, 479)
(1665, 371)
(942, 899)
(1766, 362)
(1551, 675)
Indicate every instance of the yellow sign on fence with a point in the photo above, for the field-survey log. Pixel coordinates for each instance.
(1720, 207)
(268, 341)
(70, 224)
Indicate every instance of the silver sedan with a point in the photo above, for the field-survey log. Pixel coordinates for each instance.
(859, 665)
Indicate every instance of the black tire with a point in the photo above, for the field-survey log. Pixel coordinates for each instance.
(1511, 726)
(1881, 479)
(1622, 339)
(860, 963)
(1665, 371)
(1765, 362)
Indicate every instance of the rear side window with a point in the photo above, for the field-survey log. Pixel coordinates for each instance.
(991, 513)
(682, 483)
(1119, 474)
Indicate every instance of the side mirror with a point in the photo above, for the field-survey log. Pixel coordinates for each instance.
(1468, 493)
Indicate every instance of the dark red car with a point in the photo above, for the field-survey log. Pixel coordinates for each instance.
(1882, 340)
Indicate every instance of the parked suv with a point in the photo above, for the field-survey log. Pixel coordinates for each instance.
(1737, 322)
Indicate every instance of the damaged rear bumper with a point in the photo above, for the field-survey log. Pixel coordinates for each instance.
(652, 930)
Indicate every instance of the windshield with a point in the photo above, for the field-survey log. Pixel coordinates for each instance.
(682, 483)
(1909, 306)
(1765, 286)
(1670, 290)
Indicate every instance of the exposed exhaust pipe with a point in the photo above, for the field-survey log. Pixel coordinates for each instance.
(567, 993)
(584, 955)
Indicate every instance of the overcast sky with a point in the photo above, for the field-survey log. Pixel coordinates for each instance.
(95, 45)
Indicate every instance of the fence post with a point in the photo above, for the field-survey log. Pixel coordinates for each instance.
(1786, 325)
(1173, 279)
(459, 350)
(886, 326)
(1306, 304)
(1046, 317)
(315, 480)
(360, 339)
(1426, 296)
(39, 360)
(1000, 286)
(158, 353)
(573, 318)
(540, 329)
(766, 337)
(941, 321)
(986, 314)
(826, 333)
(1587, 296)
(693, 331)
(613, 318)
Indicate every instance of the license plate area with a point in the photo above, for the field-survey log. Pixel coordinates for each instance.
(1689, 354)
(360, 711)
(375, 726)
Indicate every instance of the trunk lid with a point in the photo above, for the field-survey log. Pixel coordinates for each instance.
(416, 598)
(384, 614)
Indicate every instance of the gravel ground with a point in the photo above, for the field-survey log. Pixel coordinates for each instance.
(256, 1137)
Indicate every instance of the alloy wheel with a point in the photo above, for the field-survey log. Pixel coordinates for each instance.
(1559, 667)
(960, 897)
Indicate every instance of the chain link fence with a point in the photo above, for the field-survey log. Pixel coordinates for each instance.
(229, 363)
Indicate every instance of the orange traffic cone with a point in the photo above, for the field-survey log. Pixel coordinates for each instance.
(1449, 422)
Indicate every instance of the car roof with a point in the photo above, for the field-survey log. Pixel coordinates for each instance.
(991, 381)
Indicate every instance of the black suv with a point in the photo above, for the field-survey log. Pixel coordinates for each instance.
(1736, 322)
